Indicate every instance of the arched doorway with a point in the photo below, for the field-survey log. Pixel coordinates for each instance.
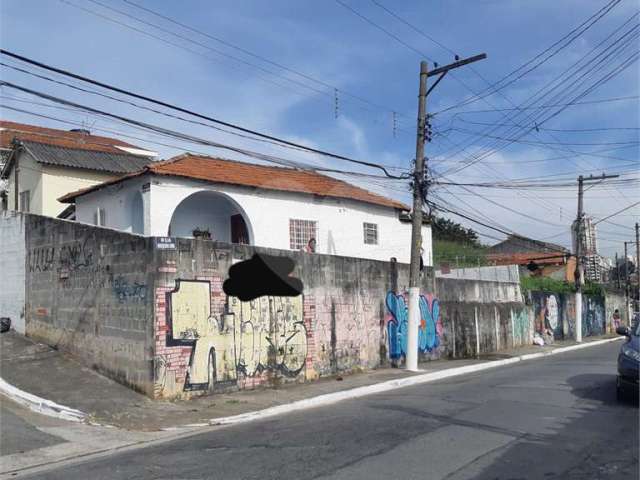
(211, 215)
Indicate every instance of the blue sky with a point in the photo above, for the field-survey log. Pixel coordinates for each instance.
(339, 50)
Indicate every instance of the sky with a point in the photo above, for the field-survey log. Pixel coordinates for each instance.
(342, 76)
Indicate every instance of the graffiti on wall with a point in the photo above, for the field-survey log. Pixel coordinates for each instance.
(548, 308)
(429, 331)
(593, 316)
(520, 326)
(246, 340)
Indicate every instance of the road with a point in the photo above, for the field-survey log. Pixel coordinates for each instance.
(551, 418)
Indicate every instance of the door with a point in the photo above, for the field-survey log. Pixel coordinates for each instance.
(239, 233)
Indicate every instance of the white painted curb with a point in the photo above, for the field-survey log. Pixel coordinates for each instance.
(40, 405)
(331, 398)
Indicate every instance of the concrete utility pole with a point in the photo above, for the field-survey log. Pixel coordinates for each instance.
(579, 272)
(419, 194)
(637, 265)
(416, 230)
(626, 284)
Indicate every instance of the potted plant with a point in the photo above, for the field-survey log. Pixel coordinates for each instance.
(204, 234)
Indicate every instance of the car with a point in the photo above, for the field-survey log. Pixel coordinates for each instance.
(628, 361)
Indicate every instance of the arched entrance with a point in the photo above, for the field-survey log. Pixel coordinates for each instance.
(213, 215)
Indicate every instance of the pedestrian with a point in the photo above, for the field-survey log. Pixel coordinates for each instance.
(311, 246)
(616, 318)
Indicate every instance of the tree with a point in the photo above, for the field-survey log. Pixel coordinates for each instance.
(445, 229)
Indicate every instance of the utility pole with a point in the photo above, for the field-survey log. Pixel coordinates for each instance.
(419, 194)
(637, 269)
(626, 285)
(617, 272)
(579, 272)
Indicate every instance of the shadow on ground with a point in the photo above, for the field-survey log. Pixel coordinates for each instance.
(595, 421)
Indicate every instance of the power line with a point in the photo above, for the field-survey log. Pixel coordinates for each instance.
(578, 31)
(175, 134)
(542, 107)
(190, 112)
(259, 57)
(616, 213)
(560, 130)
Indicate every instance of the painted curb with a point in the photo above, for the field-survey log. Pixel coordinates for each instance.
(40, 405)
(331, 398)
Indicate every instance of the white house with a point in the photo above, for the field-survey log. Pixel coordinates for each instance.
(39, 164)
(259, 205)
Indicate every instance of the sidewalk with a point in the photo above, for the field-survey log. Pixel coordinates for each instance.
(40, 370)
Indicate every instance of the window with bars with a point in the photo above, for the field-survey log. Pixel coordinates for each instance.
(301, 231)
(370, 233)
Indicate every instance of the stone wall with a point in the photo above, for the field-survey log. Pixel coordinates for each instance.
(89, 292)
(12, 266)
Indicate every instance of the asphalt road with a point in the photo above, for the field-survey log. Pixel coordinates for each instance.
(19, 435)
(550, 418)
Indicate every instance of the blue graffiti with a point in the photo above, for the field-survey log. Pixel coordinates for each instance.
(428, 330)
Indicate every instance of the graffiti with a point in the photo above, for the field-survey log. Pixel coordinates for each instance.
(552, 312)
(75, 256)
(593, 316)
(41, 259)
(549, 316)
(265, 334)
(126, 291)
(273, 335)
(520, 326)
(429, 330)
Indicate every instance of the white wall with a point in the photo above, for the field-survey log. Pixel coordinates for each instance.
(340, 221)
(124, 203)
(29, 178)
(12, 266)
(206, 211)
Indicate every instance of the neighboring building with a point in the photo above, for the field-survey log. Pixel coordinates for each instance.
(594, 264)
(50, 163)
(522, 250)
(544, 258)
(238, 202)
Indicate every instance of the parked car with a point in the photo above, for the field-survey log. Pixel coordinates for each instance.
(628, 361)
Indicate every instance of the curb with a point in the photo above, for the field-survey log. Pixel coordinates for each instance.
(331, 398)
(40, 405)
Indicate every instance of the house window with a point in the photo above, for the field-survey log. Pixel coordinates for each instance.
(25, 199)
(100, 217)
(370, 233)
(300, 232)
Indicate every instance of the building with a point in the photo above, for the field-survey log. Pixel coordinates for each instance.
(231, 201)
(41, 164)
(542, 258)
(594, 264)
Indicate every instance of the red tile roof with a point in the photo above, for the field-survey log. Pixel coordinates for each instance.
(232, 172)
(59, 138)
(524, 258)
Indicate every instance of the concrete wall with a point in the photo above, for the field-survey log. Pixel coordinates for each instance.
(267, 214)
(482, 311)
(89, 292)
(152, 314)
(12, 266)
(556, 312)
(350, 317)
(615, 301)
